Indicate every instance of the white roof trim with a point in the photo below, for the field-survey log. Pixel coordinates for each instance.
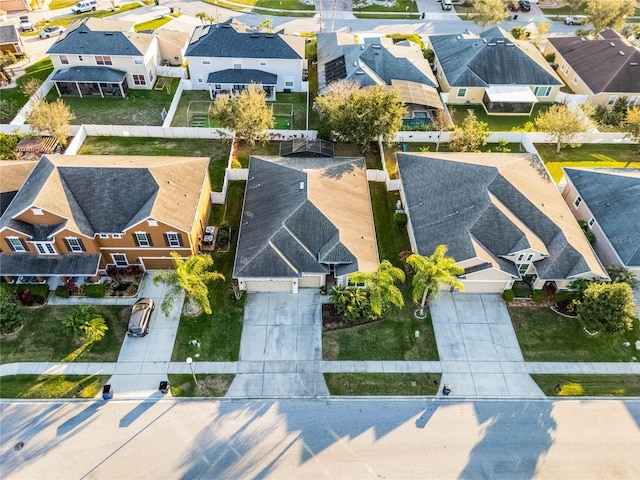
(511, 94)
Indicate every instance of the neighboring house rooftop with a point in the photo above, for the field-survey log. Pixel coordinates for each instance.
(490, 205)
(101, 36)
(613, 197)
(8, 33)
(13, 174)
(604, 65)
(302, 214)
(236, 40)
(109, 194)
(492, 58)
(377, 61)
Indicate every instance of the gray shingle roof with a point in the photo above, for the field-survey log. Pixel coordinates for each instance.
(613, 197)
(370, 63)
(89, 74)
(8, 33)
(455, 203)
(600, 65)
(493, 58)
(283, 234)
(73, 264)
(234, 39)
(242, 76)
(80, 39)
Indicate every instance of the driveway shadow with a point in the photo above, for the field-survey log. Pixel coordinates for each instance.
(138, 410)
(79, 419)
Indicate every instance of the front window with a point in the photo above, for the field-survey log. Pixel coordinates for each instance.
(206, 62)
(592, 221)
(237, 63)
(139, 80)
(633, 100)
(462, 92)
(16, 244)
(64, 60)
(173, 239)
(612, 99)
(116, 235)
(137, 61)
(103, 60)
(142, 239)
(542, 91)
(80, 58)
(74, 244)
(120, 259)
(200, 79)
(575, 78)
(263, 63)
(288, 82)
(45, 248)
(522, 269)
(577, 201)
(529, 257)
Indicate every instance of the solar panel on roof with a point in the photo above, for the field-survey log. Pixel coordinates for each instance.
(335, 70)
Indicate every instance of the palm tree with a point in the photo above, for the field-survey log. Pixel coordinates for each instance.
(431, 273)
(94, 329)
(85, 322)
(380, 286)
(190, 278)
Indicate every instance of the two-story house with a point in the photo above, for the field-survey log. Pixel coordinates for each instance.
(74, 216)
(226, 57)
(99, 56)
(504, 75)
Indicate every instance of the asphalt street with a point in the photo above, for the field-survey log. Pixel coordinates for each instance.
(321, 439)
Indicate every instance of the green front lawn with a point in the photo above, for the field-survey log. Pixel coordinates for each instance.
(375, 384)
(57, 4)
(498, 123)
(588, 385)
(216, 150)
(545, 336)
(52, 386)
(66, 21)
(140, 107)
(41, 339)
(155, 23)
(280, 8)
(15, 96)
(218, 333)
(591, 155)
(399, 6)
(210, 385)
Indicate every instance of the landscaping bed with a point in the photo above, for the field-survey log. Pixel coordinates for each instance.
(209, 385)
(28, 294)
(52, 386)
(375, 384)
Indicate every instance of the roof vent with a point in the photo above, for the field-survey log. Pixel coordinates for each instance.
(583, 39)
(269, 36)
(633, 64)
(255, 35)
(491, 44)
(359, 72)
(362, 47)
(301, 186)
(108, 34)
(226, 25)
(499, 41)
(376, 46)
(484, 40)
(621, 53)
(509, 44)
(355, 64)
(612, 44)
(458, 37)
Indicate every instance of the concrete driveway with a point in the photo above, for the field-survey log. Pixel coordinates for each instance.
(281, 346)
(478, 348)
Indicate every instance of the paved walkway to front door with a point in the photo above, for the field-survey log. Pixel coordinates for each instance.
(281, 346)
(479, 351)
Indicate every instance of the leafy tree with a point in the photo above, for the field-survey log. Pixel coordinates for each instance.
(431, 273)
(574, 5)
(619, 274)
(607, 307)
(86, 323)
(8, 145)
(519, 33)
(381, 288)
(205, 18)
(267, 24)
(608, 13)
(360, 115)
(441, 122)
(52, 119)
(247, 113)
(541, 33)
(489, 12)
(351, 303)
(471, 136)
(30, 88)
(191, 278)
(632, 125)
(561, 124)
(11, 313)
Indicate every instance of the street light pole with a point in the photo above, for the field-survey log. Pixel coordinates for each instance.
(190, 363)
(217, 17)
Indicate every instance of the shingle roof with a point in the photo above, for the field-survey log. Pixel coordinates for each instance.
(8, 33)
(237, 40)
(89, 74)
(490, 206)
(493, 58)
(73, 264)
(600, 65)
(242, 76)
(378, 61)
(613, 197)
(83, 190)
(93, 36)
(302, 214)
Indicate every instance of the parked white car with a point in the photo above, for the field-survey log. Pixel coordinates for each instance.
(51, 32)
(574, 20)
(85, 6)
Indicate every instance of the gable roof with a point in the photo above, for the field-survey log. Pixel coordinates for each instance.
(13, 174)
(83, 191)
(492, 58)
(490, 206)
(600, 64)
(101, 36)
(613, 197)
(235, 39)
(301, 214)
(378, 61)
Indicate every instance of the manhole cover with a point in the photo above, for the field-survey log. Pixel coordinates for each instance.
(18, 446)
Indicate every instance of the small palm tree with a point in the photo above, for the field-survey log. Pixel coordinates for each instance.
(431, 273)
(191, 278)
(380, 286)
(86, 323)
(95, 329)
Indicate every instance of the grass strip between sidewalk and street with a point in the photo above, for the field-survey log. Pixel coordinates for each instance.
(566, 385)
(374, 384)
(52, 386)
(209, 385)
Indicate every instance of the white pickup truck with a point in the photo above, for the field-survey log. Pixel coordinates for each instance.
(85, 6)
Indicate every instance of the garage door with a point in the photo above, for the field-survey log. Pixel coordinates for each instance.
(311, 281)
(484, 287)
(269, 286)
(158, 263)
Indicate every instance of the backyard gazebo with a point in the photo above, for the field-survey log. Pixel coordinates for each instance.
(91, 81)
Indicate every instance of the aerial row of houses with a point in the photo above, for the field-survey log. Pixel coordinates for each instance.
(307, 218)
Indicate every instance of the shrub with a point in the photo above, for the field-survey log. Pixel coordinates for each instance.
(97, 290)
(537, 295)
(550, 57)
(412, 37)
(235, 163)
(28, 294)
(563, 296)
(11, 314)
(62, 292)
(131, 290)
(401, 219)
(508, 295)
(587, 231)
